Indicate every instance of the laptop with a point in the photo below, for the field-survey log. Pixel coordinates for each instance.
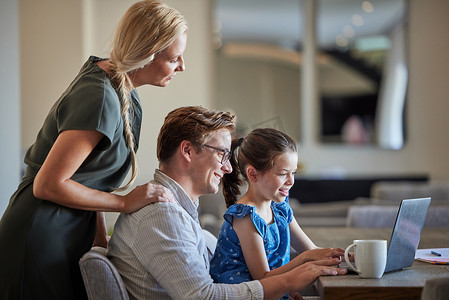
(406, 234)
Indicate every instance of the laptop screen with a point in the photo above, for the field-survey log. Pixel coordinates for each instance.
(406, 233)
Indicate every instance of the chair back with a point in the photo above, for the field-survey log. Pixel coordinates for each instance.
(436, 289)
(385, 216)
(101, 278)
(371, 216)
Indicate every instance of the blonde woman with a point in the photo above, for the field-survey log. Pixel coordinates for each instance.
(83, 152)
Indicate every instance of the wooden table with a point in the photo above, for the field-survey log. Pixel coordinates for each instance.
(403, 284)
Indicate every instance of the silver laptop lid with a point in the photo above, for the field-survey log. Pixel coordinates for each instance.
(406, 233)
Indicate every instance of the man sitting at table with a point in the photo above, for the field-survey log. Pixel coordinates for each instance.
(160, 250)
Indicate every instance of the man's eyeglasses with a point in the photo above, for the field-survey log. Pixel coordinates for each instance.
(224, 154)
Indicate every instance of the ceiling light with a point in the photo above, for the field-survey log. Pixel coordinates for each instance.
(341, 40)
(348, 31)
(357, 20)
(367, 7)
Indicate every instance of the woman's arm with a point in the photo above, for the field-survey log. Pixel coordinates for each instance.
(69, 151)
(101, 234)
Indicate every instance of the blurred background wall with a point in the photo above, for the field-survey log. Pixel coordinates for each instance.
(56, 37)
(10, 120)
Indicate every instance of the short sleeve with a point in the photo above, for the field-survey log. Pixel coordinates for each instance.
(240, 210)
(284, 210)
(90, 106)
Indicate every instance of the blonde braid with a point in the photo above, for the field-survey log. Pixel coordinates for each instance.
(146, 28)
(124, 85)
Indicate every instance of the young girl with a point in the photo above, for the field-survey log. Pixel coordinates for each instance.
(259, 229)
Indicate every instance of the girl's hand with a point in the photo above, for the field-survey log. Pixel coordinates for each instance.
(146, 194)
(350, 255)
(323, 253)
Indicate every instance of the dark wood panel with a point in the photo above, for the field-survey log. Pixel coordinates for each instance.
(315, 190)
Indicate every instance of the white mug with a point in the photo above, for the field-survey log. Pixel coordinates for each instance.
(370, 257)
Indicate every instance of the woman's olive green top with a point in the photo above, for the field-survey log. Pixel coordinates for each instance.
(42, 242)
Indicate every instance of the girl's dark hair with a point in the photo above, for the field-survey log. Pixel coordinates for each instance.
(259, 149)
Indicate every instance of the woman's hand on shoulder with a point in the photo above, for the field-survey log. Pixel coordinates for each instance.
(145, 194)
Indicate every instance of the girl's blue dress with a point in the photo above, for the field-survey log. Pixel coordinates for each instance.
(228, 264)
